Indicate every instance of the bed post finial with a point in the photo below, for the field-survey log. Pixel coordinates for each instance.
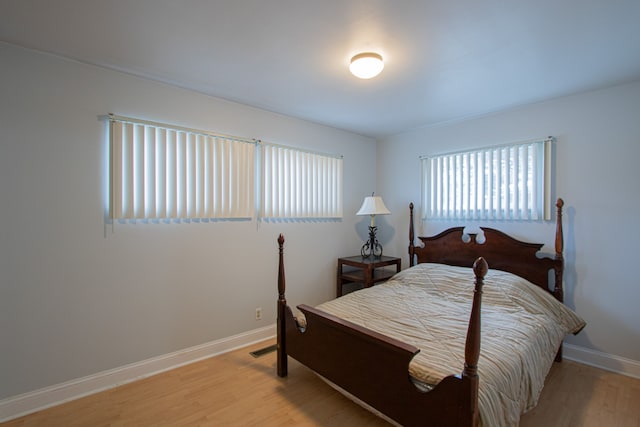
(282, 305)
(411, 237)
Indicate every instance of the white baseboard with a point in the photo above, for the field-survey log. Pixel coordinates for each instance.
(17, 406)
(609, 362)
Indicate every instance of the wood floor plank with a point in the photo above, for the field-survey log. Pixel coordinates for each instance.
(236, 389)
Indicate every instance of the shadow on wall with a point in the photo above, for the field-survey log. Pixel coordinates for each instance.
(570, 271)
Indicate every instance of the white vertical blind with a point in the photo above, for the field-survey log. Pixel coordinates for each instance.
(163, 172)
(506, 182)
(300, 184)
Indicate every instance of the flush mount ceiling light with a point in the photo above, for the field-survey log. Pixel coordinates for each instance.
(366, 65)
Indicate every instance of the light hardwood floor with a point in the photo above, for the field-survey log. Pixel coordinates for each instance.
(236, 389)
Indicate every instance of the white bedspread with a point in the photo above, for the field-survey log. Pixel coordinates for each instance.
(429, 305)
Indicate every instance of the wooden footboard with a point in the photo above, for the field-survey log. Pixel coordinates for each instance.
(375, 368)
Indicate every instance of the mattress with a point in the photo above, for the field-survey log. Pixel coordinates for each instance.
(429, 305)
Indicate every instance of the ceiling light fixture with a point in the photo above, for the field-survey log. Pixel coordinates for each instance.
(366, 65)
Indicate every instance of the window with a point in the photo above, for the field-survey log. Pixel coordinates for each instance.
(509, 182)
(300, 184)
(166, 172)
(160, 171)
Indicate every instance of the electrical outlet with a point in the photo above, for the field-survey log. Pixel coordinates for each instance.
(258, 313)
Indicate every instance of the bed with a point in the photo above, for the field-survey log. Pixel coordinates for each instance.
(384, 361)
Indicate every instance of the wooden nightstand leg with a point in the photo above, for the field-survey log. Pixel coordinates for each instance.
(368, 276)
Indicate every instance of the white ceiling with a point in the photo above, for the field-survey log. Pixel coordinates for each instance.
(445, 59)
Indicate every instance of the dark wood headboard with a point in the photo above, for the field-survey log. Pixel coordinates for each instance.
(501, 251)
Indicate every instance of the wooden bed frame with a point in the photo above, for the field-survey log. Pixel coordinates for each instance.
(375, 368)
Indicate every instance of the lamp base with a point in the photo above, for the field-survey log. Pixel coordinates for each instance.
(372, 248)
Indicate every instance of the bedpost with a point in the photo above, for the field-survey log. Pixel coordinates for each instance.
(558, 291)
(472, 345)
(282, 305)
(411, 237)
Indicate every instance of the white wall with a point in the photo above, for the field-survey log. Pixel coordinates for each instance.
(77, 298)
(597, 174)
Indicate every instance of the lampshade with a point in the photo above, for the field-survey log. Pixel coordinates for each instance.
(373, 205)
(366, 65)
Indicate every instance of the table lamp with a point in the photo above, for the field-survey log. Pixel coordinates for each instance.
(372, 205)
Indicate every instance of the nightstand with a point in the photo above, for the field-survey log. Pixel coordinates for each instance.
(365, 271)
